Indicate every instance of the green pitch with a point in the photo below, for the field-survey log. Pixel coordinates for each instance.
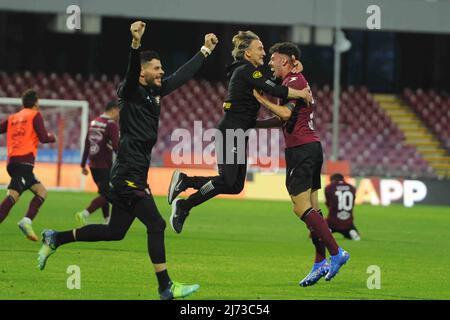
(235, 249)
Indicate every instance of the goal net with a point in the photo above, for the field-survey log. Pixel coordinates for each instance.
(58, 164)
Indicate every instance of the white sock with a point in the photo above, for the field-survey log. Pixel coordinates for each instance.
(86, 213)
(354, 235)
(26, 220)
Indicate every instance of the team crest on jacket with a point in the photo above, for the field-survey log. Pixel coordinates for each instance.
(257, 74)
(157, 98)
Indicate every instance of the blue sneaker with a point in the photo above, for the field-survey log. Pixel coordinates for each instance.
(48, 247)
(336, 262)
(318, 270)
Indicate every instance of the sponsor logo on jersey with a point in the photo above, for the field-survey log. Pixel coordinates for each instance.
(130, 184)
(257, 74)
(227, 105)
(343, 215)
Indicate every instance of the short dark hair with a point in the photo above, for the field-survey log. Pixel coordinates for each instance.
(337, 177)
(111, 105)
(149, 55)
(287, 48)
(29, 98)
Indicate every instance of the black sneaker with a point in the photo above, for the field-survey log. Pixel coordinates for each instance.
(176, 185)
(178, 216)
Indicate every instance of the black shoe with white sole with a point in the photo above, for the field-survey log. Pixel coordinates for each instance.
(176, 185)
(178, 216)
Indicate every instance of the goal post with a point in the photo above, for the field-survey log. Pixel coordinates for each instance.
(58, 164)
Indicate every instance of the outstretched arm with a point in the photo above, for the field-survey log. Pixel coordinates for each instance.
(283, 112)
(188, 70)
(259, 82)
(131, 81)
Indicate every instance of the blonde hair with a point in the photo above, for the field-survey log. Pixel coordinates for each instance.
(241, 42)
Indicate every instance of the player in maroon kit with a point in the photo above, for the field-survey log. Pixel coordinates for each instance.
(101, 141)
(340, 200)
(304, 158)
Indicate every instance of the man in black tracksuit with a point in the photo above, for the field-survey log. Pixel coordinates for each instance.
(241, 109)
(139, 102)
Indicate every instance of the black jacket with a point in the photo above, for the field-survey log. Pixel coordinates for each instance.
(240, 106)
(139, 117)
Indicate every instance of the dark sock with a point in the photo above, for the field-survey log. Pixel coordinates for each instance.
(316, 224)
(5, 207)
(35, 204)
(163, 280)
(195, 182)
(105, 210)
(98, 202)
(64, 237)
(320, 248)
(318, 244)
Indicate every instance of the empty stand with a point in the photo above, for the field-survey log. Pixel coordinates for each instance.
(368, 138)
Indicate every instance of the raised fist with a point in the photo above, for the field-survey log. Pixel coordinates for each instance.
(137, 30)
(211, 41)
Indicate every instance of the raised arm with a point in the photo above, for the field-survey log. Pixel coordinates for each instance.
(131, 80)
(188, 70)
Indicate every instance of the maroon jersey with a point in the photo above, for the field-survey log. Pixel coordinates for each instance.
(101, 140)
(340, 200)
(299, 128)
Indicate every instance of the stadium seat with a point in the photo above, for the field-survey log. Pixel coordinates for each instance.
(368, 139)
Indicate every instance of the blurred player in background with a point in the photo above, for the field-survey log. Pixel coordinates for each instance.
(101, 141)
(340, 200)
(241, 110)
(24, 130)
(304, 158)
(140, 94)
